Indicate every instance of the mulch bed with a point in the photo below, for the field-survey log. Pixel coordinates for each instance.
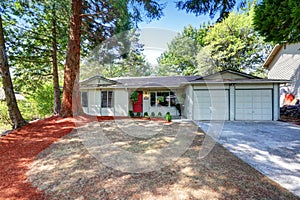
(19, 148)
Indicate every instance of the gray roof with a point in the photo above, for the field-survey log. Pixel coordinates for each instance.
(172, 81)
(154, 81)
(260, 80)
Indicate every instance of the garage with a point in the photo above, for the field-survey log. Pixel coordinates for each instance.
(254, 104)
(211, 105)
(231, 95)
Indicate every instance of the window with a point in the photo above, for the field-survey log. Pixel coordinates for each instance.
(106, 99)
(84, 99)
(166, 99)
(153, 98)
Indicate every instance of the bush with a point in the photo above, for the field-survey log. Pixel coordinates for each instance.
(152, 114)
(5, 122)
(131, 114)
(168, 117)
(43, 100)
(159, 114)
(138, 114)
(146, 114)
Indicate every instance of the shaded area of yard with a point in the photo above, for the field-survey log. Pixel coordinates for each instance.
(19, 149)
(68, 170)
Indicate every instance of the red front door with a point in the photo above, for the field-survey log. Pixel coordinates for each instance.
(138, 105)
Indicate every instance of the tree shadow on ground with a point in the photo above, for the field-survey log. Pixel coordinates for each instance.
(68, 170)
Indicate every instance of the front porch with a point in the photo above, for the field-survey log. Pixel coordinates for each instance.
(156, 103)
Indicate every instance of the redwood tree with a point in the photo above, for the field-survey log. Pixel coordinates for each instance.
(13, 109)
(71, 73)
(94, 9)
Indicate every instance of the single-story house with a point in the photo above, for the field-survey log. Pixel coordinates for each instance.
(227, 95)
(284, 63)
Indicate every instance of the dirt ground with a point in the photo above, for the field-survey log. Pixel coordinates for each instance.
(32, 168)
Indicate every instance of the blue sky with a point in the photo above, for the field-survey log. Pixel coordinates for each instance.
(175, 19)
(158, 33)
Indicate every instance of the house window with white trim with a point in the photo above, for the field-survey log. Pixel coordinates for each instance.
(106, 99)
(84, 99)
(162, 98)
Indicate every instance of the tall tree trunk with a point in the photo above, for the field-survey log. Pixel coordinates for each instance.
(57, 105)
(71, 104)
(13, 110)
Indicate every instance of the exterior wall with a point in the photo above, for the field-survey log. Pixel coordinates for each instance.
(286, 65)
(188, 103)
(121, 102)
(276, 102)
(94, 104)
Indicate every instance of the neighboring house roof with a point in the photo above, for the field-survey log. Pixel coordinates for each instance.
(272, 55)
(19, 97)
(284, 62)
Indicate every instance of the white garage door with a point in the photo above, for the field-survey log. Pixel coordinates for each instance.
(253, 105)
(211, 105)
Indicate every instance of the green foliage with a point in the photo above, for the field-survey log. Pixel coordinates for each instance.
(211, 7)
(159, 115)
(152, 114)
(30, 40)
(278, 21)
(26, 108)
(180, 58)
(42, 100)
(233, 44)
(146, 114)
(5, 122)
(131, 114)
(138, 114)
(168, 117)
(121, 55)
(134, 96)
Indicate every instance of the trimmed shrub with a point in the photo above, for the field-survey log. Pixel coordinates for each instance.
(168, 117)
(159, 114)
(138, 114)
(146, 114)
(131, 114)
(152, 114)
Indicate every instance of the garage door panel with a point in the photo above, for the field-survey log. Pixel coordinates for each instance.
(253, 105)
(211, 105)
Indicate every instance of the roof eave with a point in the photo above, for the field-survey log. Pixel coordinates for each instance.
(272, 55)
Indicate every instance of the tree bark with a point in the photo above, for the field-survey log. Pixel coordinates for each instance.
(71, 104)
(57, 103)
(13, 109)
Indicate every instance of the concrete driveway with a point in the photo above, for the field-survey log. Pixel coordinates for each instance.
(273, 148)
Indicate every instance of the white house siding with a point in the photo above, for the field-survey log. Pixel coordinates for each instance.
(286, 65)
(121, 102)
(188, 102)
(94, 102)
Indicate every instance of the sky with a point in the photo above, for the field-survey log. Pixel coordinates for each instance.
(158, 33)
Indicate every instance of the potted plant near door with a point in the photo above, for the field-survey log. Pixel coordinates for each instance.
(134, 96)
